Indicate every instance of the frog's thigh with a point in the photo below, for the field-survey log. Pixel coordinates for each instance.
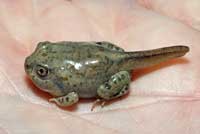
(67, 100)
(110, 46)
(116, 86)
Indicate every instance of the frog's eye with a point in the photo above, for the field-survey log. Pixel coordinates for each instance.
(42, 71)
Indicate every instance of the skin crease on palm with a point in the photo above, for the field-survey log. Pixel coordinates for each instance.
(163, 99)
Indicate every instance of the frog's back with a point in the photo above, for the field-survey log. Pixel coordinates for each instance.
(84, 52)
(81, 49)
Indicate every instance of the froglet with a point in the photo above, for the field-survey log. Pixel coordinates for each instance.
(72, 70)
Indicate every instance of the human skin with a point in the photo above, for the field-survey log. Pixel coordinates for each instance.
(163, 99)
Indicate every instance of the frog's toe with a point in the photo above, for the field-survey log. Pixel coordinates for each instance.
(102, 102)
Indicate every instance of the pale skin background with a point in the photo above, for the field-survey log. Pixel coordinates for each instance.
(163, 99)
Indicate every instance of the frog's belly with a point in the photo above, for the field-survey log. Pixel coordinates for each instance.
(87, 93)
(86, 86)
(89, 87)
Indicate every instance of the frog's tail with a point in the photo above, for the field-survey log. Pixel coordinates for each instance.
(142, 59)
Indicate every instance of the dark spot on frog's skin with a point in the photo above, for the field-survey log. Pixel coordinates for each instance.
(99, 43)
(67, 99)
(61, 100)
(70, 76)
(101, 49)
(115, 81)
(123, 76)
(44, 54)
(27, 66)
(65, 78)
(127, 87)
(107, 86)
(115, 95)
(74, 85)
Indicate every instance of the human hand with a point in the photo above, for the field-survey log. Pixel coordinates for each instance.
(163, 99)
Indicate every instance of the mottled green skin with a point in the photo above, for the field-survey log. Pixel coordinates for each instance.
(74, 66)
(83, 67)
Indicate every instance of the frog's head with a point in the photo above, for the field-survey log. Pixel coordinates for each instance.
(40, 67)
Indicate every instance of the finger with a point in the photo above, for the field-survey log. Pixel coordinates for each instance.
(186, 11)
(21, 117)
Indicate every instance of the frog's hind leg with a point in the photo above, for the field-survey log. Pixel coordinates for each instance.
(110, 46)
(67, 100)
(116, 86)
(103, 100)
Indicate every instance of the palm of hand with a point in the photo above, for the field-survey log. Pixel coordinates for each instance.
(166, 94)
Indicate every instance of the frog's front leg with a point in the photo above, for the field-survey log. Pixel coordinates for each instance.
(67, 100)
(115, 87)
